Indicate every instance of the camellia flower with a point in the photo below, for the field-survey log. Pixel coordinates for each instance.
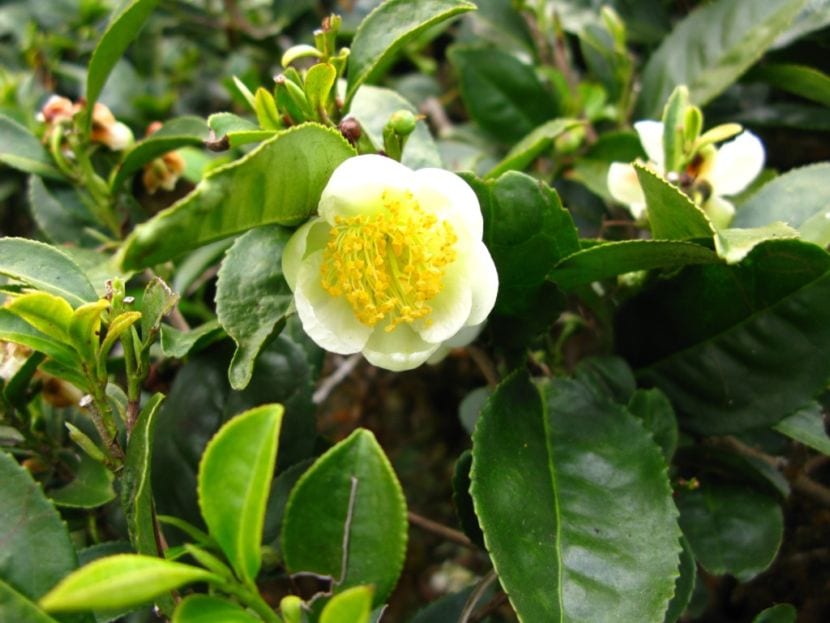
(394, 266)
(106, 129)
(164, 171)
(711, 175)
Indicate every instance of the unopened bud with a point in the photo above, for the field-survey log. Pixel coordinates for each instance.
(403, 122)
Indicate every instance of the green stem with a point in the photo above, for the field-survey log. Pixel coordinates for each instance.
(251, 598)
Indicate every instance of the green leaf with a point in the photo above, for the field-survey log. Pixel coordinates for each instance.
(372, 107)
(46, 312)
(523, 153)
(91, 487)
(346, 518)
(120, 581)
(731, 529)
(734, 244)
(46, 268)
(462, 500)
(179, 344)
(353, 605)
(782, 613)
(136, 484)
(501, 93)
(807, 426)
(616, 258)
(715, 338)
(120, 32)
(15, 329)
(21, 150)
(60, 213)
(158, 301)
(116, 329)
(607, 375)
(319, 82)
(234, 480)
(175, 133)
(208, 609)
(685, 586)
(799, 198)
(653, 408)
(37, 550)
(390, 27)
(592, 168)
(602, 525)
(252, 296)
(85, 328)
(278, 182)
(709, 49)
(802, 80)
(673, 216)
(238, 131)
(15, 607)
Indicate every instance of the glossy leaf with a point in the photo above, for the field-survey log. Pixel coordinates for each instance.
(354, 605)
(120, 581)
(462, 500)
(116, 329)
(319, 82)
(501, 93)
(602, 526)
(692, 336)
(710, 49)
(91, 487)
(616, 258)
(673, 216)
(15, 607)
(523, 153)
(234, 480)
(388, 28)
(37, 550)
(209, 609)
(346, 518)
(122, 29)
(782, 613)
(657, 415)
(731, 529)
(85, 328)
(49, 314)
(252, 296)
(175, 133)
(734, 244)
(685, 586)
(278, 182)
(21, 150)
(802, 80)
(46, 268)
(807, 426)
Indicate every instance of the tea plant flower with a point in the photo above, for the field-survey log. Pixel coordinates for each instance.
(394, 266)
(710, 175)
(164, 171)
(106, 129)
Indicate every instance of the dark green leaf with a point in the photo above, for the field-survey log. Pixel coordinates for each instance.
(807, 426)
(447, 608)
(532, 146)
(91, 487)
(388, 28)
(715, 338)
(462, 501)
(685, 586)
(673, 216)
(21, 150)
(279, 182)
(616, 258)
(731, 529)
(208, 609)
(501, 93)
(802, 80)
(655, 411)
(782, 613)
(711, 48)
(346, 518)
(46, 268)
(14, 607)
(59, 213)
(252, 296)
(234, 480)
(609, 376)
(601, 527)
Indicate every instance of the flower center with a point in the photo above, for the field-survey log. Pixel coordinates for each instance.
(390, 264)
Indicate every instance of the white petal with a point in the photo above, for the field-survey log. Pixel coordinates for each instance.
(450, 307)
(449, 196)
(720, 211)
(464, 337)
(736, 164)
(651, 138)
(624, 185)
(327, 320)
(302, 242)
(119, 137)
(401, 349)
(357, 185)
(484, 283)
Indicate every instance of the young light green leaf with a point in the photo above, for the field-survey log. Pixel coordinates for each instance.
(234, 480)
(319, 82)
(120, 581)
(21, 150)
(602, 526)
(175, 133)
(388, 28)
(731, 529)
(120, 32)
(346, 518)
(209, 609)
(236, 130)
(353, 605)
(523, 153)
(734, 244)
(85, 443)
(85, 328)
(252, 296)
(46, 312)
(619, 257)
(807, 426)
(91, 487)
(278, 182)
(15, 607)
(46, 268)
(711, 48)
(673, 216)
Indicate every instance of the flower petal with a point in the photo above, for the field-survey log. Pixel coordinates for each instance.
(327, 320)
(736, 164)
(464, 337)
(310, 237)
(484, 284)
(720, 211)
(651, 138)
(450, 307)
(357, 185)
(624, 186)
(401, 349)
(447, 195)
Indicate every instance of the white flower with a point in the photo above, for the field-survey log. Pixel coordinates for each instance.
(394, 266)
(712, 175)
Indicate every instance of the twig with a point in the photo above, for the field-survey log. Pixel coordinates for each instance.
(177, 320)
(343, 370)
(490, 607)
(485, 364)
(809, 487)
(476, 595)
(433, 109)
(440, 529)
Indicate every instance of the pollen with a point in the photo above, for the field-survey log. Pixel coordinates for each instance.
(390, 264)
